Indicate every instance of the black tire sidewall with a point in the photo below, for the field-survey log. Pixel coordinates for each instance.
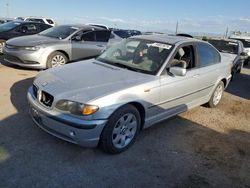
(106, 137)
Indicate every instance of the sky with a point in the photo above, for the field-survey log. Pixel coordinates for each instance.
(200, 16)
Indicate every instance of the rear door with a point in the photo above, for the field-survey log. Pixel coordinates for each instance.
(209, 65)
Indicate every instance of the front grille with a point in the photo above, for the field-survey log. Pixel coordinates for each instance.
(45, 98)
(11, 58)
(35, 89)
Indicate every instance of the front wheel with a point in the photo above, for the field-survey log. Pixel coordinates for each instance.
(56, 59)
(121, 130)
(216, 96)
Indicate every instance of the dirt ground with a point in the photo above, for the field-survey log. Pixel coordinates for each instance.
(199, 148)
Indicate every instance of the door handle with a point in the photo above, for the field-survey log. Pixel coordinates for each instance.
(99, 45)
(196, 76)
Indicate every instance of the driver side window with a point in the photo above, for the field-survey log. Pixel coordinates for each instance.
(184, 57)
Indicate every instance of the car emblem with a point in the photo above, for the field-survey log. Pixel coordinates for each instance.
(44, 84)
(39, 95)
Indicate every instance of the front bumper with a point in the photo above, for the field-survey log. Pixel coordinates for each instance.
(72, 129)
(25, 58)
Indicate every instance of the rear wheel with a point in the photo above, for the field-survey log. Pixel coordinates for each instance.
(2, 42)
(121, 130)
(216, 96)
(56, 59)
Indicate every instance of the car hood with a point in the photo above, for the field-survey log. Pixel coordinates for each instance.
(32, 40)
(88, 80)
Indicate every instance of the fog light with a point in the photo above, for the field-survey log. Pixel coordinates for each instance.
(72, 133)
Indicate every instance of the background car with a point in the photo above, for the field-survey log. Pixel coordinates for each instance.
(245, 39)
(44, 20)
(233, 49)
(108, 100)
(14, 29)
(4, 20)
(118, 34)
(57, 46)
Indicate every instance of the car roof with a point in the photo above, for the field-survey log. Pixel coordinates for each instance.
(167, 38)
(22, 22)
(83, 26)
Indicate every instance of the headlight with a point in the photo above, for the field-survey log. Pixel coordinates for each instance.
(76, 107)
(32, 48)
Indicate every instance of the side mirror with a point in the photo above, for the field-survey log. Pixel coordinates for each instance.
(178, 71)
(76, 38)
(243, 54)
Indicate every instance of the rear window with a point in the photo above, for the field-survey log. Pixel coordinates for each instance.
(207, 55)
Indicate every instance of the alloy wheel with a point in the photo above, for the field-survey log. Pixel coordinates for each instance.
(124, 130)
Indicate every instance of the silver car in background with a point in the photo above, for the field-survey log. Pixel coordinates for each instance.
(131, 86)
(56, 46)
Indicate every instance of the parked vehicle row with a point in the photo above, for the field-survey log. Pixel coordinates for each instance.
(56, 46)
(131, 86)
(19, 28)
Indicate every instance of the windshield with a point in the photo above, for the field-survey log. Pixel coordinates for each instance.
(137, 55)
(225, 46)
(60, 32)
(8, 26)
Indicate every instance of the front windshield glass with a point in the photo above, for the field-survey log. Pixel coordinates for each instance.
(8, 26)
(225, 46)
(59, 32)
(137, 55)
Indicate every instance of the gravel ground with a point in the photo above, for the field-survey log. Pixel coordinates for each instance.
(200, 148)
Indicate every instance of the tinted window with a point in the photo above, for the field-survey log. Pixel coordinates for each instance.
(35, 20)
(122, 33)
(246, 42)
(207, 55)
(225, 46)
(102, 36)
(90, 36)
(8, 26)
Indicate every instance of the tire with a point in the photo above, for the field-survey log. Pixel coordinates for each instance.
(2, 42)
(216, 96)
(118, 135)
(56, 59)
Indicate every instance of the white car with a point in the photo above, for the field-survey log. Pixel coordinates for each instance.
(48, 21)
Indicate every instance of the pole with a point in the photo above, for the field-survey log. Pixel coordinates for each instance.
(176, 29)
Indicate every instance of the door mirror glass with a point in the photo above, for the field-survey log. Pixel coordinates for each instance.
(178, 71)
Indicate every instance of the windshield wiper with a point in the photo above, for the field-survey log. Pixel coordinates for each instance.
(121, 65)
(127, 67)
